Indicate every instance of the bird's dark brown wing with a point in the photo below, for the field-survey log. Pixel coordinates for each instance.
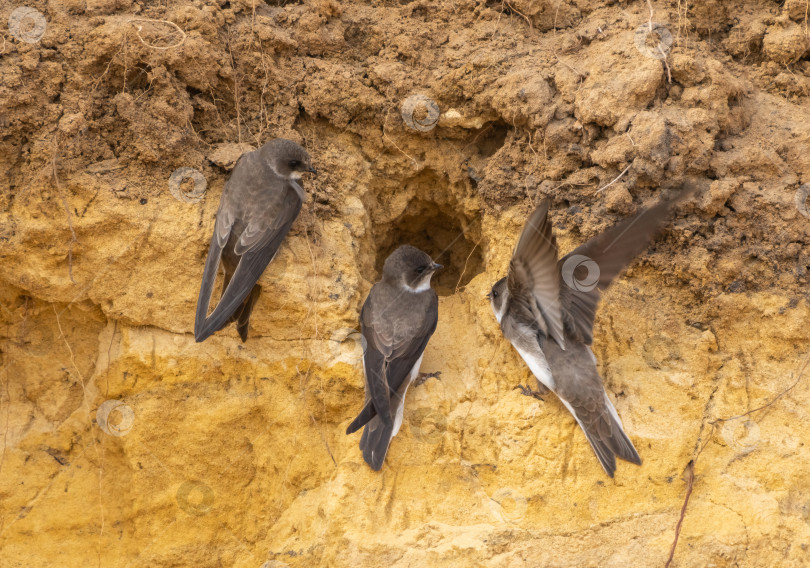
(387, 361)
(256, 251)
(533, 279)
(612, 251)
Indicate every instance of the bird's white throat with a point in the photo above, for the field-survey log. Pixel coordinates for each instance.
(424, 286)
(499, 312)
(294, 175)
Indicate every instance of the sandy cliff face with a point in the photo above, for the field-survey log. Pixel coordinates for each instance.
(125, 443)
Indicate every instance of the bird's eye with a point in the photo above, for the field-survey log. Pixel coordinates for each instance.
(494, 294)
(294, 164)
(421, 269)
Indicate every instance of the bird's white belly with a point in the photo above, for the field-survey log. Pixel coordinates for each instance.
(538, 366)
(401, 407)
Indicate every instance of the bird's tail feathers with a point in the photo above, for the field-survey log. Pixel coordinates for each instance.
(606, 436)
(243, 319)
(376, 438)
(362, 419)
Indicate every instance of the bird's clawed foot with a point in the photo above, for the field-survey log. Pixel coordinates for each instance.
(425, 376)
(538, 394)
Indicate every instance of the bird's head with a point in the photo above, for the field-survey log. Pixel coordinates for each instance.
(497, 298)
(289, 159)
(410, 268)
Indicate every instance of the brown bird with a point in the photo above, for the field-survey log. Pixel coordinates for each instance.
(546, 309)
(397, 320)
(259, 203)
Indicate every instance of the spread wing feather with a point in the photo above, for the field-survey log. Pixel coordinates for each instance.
(612, 251)
(533, 279)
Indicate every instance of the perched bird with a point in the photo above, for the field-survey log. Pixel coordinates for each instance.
(397, 320)
(259, 203)
(546, 309)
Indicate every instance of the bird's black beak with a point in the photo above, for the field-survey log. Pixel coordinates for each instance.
(436, 266)
(313, 171)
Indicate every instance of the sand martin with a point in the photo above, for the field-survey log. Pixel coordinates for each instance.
(259, 203)
(397, 320)
(546, 309)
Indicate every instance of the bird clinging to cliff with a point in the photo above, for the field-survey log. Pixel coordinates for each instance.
(397, 320)
(259, 203)
(546, 309)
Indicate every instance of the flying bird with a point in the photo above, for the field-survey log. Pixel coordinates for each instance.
(259, 203)
(546, 309)
(397, 320)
